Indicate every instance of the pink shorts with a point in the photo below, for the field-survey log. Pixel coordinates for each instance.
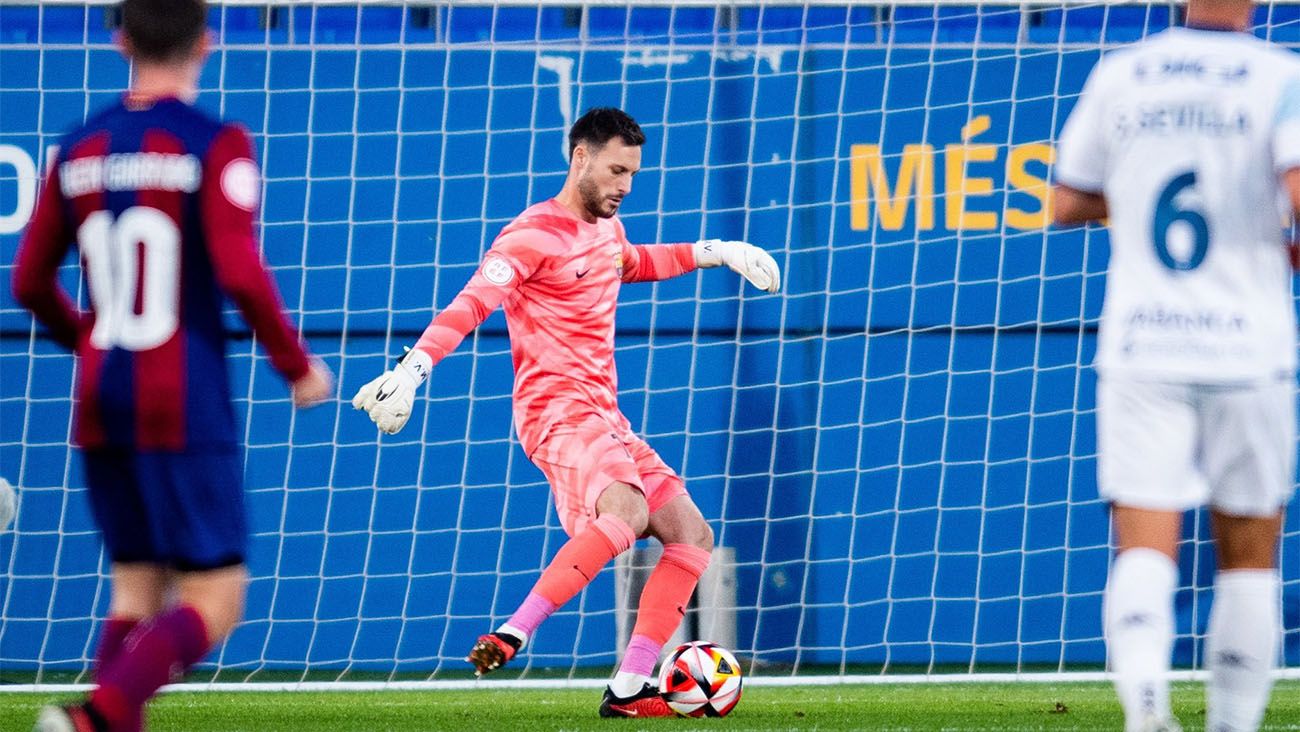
(581, 460)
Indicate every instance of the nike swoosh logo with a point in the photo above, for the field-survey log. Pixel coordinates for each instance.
(583, 273)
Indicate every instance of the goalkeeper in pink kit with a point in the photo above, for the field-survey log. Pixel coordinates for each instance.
(557, 269)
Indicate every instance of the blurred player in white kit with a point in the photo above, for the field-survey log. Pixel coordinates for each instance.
(1189, 143)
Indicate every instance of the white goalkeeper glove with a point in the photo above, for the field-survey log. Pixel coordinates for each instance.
(388, 398)
(743, 258)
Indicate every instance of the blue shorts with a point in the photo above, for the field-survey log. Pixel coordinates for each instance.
(184, 510)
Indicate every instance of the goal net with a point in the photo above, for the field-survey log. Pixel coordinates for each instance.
(896, 454)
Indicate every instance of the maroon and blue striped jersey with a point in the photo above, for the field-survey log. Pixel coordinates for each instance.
(160, 200)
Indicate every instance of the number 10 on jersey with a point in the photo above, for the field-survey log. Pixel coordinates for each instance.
(133, 267)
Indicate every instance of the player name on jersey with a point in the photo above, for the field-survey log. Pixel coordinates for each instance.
(136, 171)
(1209, 120)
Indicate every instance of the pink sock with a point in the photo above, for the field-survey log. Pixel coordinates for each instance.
(573, 567)
(641, 656)
(172, 641)
(111, 638)
(663, 605)
(530, 614)
(582, 557)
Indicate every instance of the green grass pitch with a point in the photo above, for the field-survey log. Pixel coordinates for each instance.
(966, 706)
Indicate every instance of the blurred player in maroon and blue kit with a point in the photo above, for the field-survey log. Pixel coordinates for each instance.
(160, 200)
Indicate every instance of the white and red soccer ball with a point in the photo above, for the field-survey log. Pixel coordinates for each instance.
(700, 679)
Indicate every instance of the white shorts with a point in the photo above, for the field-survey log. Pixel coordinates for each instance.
(1172, 447)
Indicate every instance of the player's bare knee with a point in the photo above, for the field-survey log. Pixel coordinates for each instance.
(218, 597)
(134, 606)
(636, 514)
(1140, 528)
(701, 535)
(626, 502)
(138, 590)
(220, 614)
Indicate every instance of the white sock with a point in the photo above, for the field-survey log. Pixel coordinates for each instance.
(1138, 614)
(1241, 649)
(626, 684)
(512, 630)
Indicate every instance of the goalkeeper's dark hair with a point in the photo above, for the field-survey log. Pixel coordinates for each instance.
(163, 30)
(602, 124)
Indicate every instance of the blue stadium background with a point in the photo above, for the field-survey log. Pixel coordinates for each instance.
(899, 445)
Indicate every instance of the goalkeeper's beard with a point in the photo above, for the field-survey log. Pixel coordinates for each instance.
(596, 204)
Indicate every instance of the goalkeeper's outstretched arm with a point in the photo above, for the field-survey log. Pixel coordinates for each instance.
(389, 397)
(654, 262)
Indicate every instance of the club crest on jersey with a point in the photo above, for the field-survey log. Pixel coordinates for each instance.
(497, 271)
(240, 184)
(618, 263)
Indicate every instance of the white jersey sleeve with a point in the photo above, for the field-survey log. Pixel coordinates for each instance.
(1286, 131)
(1081, 155)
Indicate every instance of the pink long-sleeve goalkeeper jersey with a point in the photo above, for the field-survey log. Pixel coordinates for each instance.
(558, 277)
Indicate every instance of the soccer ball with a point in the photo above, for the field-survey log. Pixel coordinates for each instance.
(700, 679)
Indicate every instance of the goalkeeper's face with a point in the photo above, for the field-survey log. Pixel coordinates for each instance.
(606, 176)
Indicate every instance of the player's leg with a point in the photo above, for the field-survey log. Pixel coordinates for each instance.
(163, 648)
(621, 515)
(137, 594)
(138, 591)
(1244, 631)
(192, 508)
(599, 498)
(139, 574)
(1137, 611)
(688, 545)
(1249, 453)
(1146, 468)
